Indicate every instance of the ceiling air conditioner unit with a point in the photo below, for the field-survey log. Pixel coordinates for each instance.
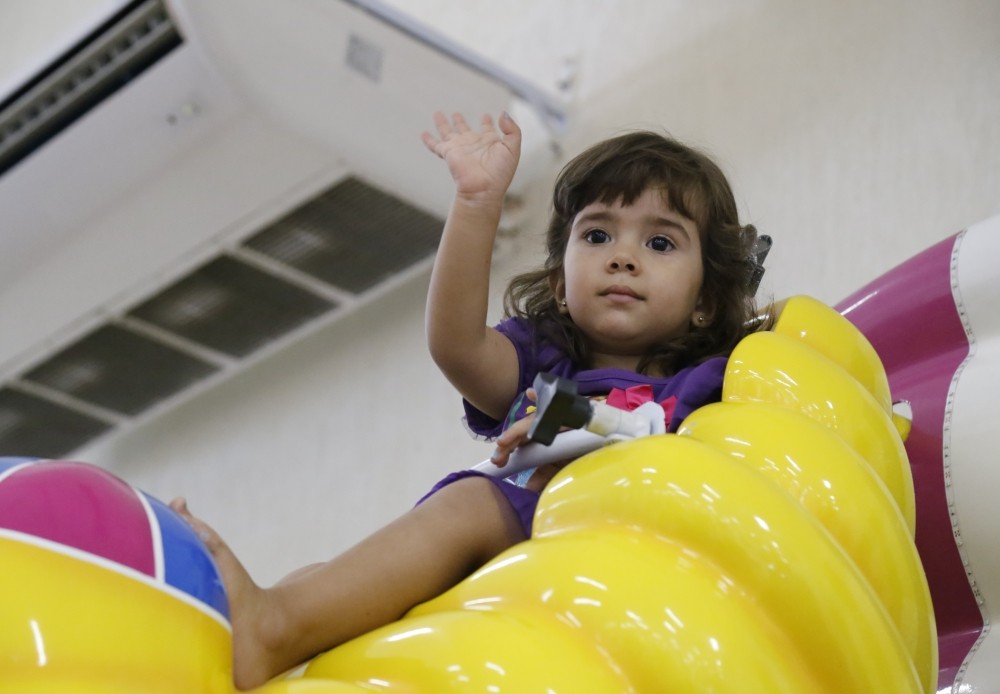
(193, 185)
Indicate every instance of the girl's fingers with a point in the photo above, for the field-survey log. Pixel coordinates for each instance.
(441, 121)
(430, 142)
(458, 125)
(498, 458)
(510, 129)
(501, 454)
(458, 120)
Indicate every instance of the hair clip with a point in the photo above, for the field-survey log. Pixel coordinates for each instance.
(758, 251)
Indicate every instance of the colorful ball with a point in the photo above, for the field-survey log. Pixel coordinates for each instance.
(86, 512)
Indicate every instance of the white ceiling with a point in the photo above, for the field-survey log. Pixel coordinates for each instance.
(253, 114)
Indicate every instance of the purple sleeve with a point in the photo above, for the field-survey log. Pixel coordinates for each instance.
(696, 386)
(519, 332)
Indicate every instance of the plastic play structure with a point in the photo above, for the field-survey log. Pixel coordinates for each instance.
(784, 540)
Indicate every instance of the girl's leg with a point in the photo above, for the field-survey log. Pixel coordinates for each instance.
(414, 558)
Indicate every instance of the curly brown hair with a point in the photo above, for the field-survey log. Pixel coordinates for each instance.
(621, 169)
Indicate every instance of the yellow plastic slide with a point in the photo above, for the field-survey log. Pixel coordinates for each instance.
(767, 546)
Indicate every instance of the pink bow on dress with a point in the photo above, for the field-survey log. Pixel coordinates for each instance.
(632, 397)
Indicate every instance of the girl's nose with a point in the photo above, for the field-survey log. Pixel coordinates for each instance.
(620, 262)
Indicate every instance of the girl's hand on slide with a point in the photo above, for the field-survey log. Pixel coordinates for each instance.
(515, 435)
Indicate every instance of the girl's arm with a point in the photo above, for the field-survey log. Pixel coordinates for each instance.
(480, 362)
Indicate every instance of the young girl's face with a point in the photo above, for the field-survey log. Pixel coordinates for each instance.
(631, 277)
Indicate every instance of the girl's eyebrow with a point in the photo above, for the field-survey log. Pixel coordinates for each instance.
(596, 216)
(659, 221)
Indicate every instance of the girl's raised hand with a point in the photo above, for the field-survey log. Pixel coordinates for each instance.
(482, 162)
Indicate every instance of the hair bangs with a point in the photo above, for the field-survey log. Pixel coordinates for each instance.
(623, 180)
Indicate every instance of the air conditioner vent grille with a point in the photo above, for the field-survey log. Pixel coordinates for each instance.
(351, 237)
(119, 370)
(231, 307)
(41, 428)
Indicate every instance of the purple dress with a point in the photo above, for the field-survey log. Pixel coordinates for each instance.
(680, 394)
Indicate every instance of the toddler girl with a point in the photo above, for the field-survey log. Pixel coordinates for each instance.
(645, 289)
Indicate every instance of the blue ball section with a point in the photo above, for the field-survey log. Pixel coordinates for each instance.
(7, 463)
(188, 566)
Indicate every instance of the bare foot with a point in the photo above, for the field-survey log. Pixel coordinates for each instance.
(256, 619)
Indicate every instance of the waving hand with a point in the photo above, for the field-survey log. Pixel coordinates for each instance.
(482, 162)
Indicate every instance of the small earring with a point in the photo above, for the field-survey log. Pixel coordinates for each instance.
(563, 302)
(701, 319)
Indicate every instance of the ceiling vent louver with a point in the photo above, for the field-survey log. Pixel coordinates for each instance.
(43, 428)
(119, 370)
(231, 307)
(352, 237)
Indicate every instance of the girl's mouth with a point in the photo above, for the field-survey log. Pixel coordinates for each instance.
(621, 293)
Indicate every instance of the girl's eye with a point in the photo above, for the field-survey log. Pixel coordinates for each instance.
(597, 236)
(660, 243)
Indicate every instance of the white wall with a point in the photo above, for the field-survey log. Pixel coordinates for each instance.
(856, 133)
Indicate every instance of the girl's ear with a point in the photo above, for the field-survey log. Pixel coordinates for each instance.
(558, 286)
(703, 314)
